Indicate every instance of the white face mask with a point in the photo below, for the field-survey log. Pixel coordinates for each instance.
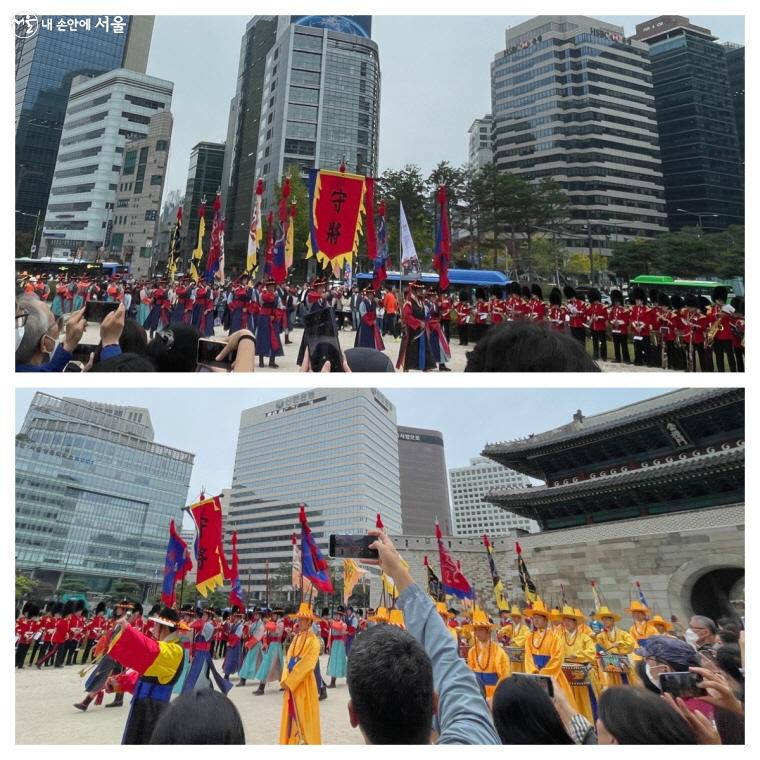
(691, 637)
(19, 335)
(653, 677)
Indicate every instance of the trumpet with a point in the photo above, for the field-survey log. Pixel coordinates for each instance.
(712, 332)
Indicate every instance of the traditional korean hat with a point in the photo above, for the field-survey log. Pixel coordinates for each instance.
(604, 612)
(397, 618)
(417, 285)
(637, 606)
(538, 608)
(381, 615)
(659, 620)
(515, 610)
(270, 281)
(305, 612)
(480, 620)
(567, 612)
(170, 618)
(442, 610)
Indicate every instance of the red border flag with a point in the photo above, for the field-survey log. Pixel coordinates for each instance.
(207, 515)
(442, 240)
(452, 578)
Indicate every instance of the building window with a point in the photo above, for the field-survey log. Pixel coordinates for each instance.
(150, 215)
(130, 160)
(162, 145)
(155, 179)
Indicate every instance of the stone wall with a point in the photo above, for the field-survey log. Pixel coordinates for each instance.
(666, 554)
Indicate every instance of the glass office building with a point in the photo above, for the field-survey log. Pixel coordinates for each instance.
(94, 493)
(701, 158)
(336, 450)
(572, 101)
(46, 63)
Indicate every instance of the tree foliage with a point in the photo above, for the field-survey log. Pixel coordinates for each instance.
(25, 585)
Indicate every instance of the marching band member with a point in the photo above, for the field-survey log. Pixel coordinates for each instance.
(618, 317)
(271, 665)
(252, 648)
(438, 344)
(486, 658)
(616, 645)
(557, 312)
(720, 330)
(596, 313)
(268, 325)
(737, 329)
(415, 350)
(337, 664)
(641, 327)
(537, 306)
(463, 310)
(694, 328)
(576, 310)
(368, 334)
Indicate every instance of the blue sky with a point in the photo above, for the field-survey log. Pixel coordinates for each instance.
(435, 79)
(468, 418)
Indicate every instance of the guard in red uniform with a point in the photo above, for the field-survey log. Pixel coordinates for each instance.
(723, 343)
(537, 306)
(596, 314)
(482, 316)
(738, 332)
(557, 313)
(445, 306)
(94, 629)
(463, 309)
(641, 327)
(496, 308)
(576, 310)
(694, 326)
(618, 318)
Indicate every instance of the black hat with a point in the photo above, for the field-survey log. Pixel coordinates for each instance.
(663, 299)
(225, 615)
(79, 606)
(32, 610)
(138, 608)
(154, 609)
(325, 611)
(653, 295)
(481, 293)
(638, 294)
(340, 608)
(68, 608)
(525, 291)
(535, 289)
(569, 291)
(720, 293)
(50, 606)
(690, 300)
(704, 303)
(594, 296)
(58, 608)
(555, 297)
(453, 611)
(514, 288)
(169, 617)
(495, 290)
(738, 304)
(464, 296)
(100, 608)
(616, 297)
(676, 302)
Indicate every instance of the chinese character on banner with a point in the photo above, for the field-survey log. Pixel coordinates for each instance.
(336, 206)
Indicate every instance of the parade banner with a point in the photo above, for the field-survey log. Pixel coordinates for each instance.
(254, 230)
(641, 596)
(197, 255)
(442, 240)
(174, 246)
(526, 582)
(176, 565)
(297, 580)
(313, 564)
(290, 236)
(454, 582)
(279, 269)
(369, 202)
(352, 574)
(215, 249)
(336, 206)
(434, 585)
(502, 602)
(408, 250)
(379, 271)
(210, 560)
(595, 594)
(236, 589)
(269, 247)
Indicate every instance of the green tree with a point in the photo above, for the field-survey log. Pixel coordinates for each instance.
(126, 589)
(299, 194)
(25, 585)
(72, 586)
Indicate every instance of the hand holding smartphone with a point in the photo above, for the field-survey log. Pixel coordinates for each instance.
(344, 546)
(322, 341)
(96, 311)
(209, 349)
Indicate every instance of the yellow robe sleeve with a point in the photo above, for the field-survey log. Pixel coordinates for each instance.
(502, 663)
(556, 655)
(583, 650)
(305, 665)
(167, 663)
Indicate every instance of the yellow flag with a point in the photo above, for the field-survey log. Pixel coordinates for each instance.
(388, 583)
(351, 575)
(195, 259)
(289, 238)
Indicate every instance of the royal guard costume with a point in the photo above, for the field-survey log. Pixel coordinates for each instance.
(487, 659)
(545, 648)
(268, 325)
(114, 291)
(60, 293)
(252, 647)
(81, 295)
(537, 308)
(315, 301)
(446, 616)
(160, 309)
(662, 626)
(464, 318)
(183, 306)
(26, 628)
(722, 316)
(596, 314)
(338, 662)
(237, 314)
(666, 331)
(415, 350)
(159, 664)
(233, 657)
(482, 319)
(557, 312)
(439, 346)
(77, 625)
(738, 327)
(47, 626)
(579, 665)
(299, 723)
(513, 305)
(576, 310)
(202, 668)
(185, 640)
(203, 310)
(514, 634)
(616, 645)
(695, 325)
(641, 323)
(641, 629)
(368, 335)
(618, 318)
(496, 309)
(446, 306)
(271, 665)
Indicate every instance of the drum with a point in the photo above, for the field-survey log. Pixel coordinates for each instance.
(615, 663)
(515, 654)
(576, 673)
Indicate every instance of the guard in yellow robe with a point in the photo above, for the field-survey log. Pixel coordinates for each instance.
(613, 641)
(446, 616)
(580, 651)
(545, 649)
(641, 629)
(662, 626)
(299, 723)
(514, 634)
(486, 658)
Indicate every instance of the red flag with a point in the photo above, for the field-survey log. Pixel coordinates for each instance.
(210, 556)
(452, 579)
(313, 565)
(379, 522)
(176, 565)
(442, 240)
(369, 203)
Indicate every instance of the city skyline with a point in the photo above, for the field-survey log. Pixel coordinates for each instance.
(409, 73)
(505, 414)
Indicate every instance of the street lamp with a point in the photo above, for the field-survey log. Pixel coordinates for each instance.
(700, 217)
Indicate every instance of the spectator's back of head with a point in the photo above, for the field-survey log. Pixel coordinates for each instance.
(523, 713)
(628, 715)
(134, 338)
(199, 717)
(528, 347)
(362, 359)
(390, 685)
(175, 349)
(124, 363)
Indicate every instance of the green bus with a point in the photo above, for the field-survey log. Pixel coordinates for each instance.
(675, 286)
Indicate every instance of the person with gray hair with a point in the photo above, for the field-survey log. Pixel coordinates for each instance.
(39, 349)
(703, 638)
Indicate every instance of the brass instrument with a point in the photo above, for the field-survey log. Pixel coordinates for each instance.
(712, 331)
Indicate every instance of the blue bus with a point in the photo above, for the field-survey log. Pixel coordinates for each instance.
(459, 279)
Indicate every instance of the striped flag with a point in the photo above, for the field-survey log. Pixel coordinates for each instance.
(498, 587)
(434, 585)
(641, 596)
(255, 232)
(595, 594)
(526, 582)
(296, 576)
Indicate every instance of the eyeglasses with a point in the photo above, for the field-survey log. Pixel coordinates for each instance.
(21, 318)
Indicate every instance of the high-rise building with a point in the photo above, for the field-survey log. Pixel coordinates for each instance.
(104, 112)
(204, 178)
(572, 101)
(472, 515)
(94, 493)
(46, 63)
(424, 486)
(735, 65)
(336, 450)
(701, 161)
(319, 106)
(137, 211)
(479, 147)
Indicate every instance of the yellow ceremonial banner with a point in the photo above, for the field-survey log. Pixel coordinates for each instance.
(352, 573)
(195, 259)
(389, 584)
(289, 244)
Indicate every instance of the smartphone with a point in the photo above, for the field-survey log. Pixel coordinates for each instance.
(682, 685)
(82, 352)
(73, 366)
(543, 681)
(352, 547)
(322, 341)
(97, 311)
(209, 349)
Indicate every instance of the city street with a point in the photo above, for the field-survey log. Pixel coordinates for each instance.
(45, 715)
